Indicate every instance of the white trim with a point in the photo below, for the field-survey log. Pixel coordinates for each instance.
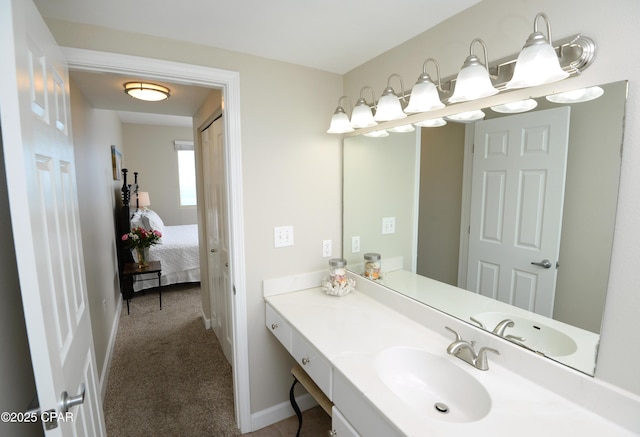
(229, 81)
(280, 412)
(112, 341)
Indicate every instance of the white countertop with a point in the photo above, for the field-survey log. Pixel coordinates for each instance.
(350, 331)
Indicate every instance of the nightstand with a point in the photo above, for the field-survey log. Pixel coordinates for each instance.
(133, 270)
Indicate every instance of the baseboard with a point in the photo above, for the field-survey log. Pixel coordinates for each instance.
(205, 320)
(280, 412)
(112, 340)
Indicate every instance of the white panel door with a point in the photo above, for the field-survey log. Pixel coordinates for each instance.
(217, 235)
(38, 151)
(519, 167)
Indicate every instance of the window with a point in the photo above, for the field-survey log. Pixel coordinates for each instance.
(186, 172)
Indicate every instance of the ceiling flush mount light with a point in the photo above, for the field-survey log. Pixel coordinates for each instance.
(340, 121)
(424, 96)
(389, 107)
(538, 62)
(362, 116)
(473, 81)
(516, 107)
(149, 92)
(577, 96)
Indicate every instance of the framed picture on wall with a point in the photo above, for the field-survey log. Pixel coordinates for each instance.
(116, 163)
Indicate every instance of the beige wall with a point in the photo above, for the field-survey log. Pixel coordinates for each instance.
(504, 25)
(149, 150)
(94, 131)
(291, 173)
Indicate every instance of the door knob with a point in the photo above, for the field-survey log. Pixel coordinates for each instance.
(544, 263)
(71, 401)
(213, 251)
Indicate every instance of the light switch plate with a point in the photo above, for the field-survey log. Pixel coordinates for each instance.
(388, 225)
(355, 244)
(283, 236)
(326, 248)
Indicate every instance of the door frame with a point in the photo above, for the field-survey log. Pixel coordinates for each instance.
(229, 82)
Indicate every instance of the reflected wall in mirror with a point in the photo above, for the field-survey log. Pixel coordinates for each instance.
(424, 180)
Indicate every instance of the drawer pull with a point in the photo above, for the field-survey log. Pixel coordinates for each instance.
(274, 325)
(305, 361)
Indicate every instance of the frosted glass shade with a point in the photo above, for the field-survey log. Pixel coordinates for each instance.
(537, 64)
(516, 107)
(402, 129)
(435, 122)
(389, 107)
(339, 123)
(472, 83)
(424, 97)
(577, 96)
(466, 117)
(377, 134)
(362, 116)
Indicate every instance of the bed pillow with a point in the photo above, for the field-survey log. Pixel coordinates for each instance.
(136, 220)
(152, 221)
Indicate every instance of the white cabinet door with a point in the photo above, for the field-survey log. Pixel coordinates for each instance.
(340, 426)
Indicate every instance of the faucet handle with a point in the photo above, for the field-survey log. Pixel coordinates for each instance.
(474, 320)
(481, 362)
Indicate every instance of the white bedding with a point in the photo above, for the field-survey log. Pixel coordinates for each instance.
(179, 255)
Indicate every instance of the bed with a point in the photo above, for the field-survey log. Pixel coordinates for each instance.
(178, 249)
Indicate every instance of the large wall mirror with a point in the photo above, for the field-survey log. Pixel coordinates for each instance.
(506, 223)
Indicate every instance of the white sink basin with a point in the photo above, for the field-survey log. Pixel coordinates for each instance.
(432, 385)
(537, 336)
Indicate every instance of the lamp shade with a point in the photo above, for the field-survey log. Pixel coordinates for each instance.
(143, 199)
(473, 82)
(424, 96)
(362, 116)
(389, 107)
(339, 122)
(537, 64)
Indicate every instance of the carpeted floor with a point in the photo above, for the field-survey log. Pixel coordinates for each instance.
(168, 375)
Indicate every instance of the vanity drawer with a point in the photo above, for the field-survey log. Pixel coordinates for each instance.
(340, 425)
(313, 363)
(278, 327)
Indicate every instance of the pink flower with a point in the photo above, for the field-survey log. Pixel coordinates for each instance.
(157, 233)
(125, 237)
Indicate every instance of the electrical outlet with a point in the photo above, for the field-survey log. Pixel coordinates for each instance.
(326, 248)
(388, 225)
(283, 236)
(355, 244)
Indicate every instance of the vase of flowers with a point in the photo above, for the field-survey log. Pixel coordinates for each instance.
(140, 239)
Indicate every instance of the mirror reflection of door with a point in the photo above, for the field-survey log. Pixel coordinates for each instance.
(519, 168)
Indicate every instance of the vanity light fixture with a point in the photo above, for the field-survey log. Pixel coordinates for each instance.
(577, 96)
(538, 62)
(516, 107)
(424, 96)
(467, 117)
(389, 107)
(473, 81)
(340, 121)
(149, 92)
(434, 122)
(362, 115)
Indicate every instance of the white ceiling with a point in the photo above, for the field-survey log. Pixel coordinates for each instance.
(330, 35)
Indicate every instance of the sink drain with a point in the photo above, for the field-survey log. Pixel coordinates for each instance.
(441, 408)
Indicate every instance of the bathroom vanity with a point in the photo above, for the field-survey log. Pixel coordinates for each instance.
(382, 359)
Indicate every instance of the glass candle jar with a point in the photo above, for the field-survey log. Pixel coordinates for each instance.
(337, 272)
(372, 265)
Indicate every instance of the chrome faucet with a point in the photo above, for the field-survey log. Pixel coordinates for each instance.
(502, 326)
(464, 350)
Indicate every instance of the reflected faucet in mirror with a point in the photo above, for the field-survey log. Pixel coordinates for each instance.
(426, 180)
